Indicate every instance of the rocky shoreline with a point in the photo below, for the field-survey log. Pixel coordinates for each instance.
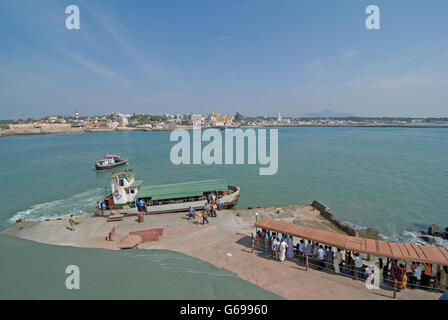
(433, 233)
(348, 229)
(40, 131)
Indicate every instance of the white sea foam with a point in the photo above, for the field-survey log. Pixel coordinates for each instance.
(406, 236)
(82, 204)
(172, 262)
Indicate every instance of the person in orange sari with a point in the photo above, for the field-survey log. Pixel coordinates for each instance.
(401, 277)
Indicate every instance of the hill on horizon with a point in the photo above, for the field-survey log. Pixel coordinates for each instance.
(326, 114)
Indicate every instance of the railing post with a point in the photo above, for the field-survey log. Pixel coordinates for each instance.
(436, 282)
(395, 288)
(252, 242)
(306, 262)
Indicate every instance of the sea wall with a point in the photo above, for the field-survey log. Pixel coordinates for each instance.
(40, 130)
(326, 213)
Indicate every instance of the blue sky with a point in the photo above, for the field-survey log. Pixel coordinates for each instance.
(255, 57)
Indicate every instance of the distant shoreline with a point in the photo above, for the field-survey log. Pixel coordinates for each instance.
(8, 132)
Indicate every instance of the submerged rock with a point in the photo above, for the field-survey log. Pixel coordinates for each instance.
(428, 239)
(369, 233)
(434, 230)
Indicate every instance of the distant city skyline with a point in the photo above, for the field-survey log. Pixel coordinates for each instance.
(253, 57)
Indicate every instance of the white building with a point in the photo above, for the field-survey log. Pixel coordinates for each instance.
(123, 121)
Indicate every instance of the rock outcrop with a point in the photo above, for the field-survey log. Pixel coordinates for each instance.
(369, 233)
(326, 213)
(434, 230)
(428, 239)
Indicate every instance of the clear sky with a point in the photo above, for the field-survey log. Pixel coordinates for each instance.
(199, 56)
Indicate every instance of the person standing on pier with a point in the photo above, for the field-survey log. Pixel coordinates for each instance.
(301, 249)
(266, 241)
(275, 247)
(214, 208)
(329, 257)
(320, 257)
(442, 276)
(72, 222)
(308, 249)
(290, 248)
(337, 261)
(204, 217)
(283, 247)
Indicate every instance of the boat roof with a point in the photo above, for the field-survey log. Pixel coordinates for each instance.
(136, 184)
(181, 190)
(379, 248)
(122, 174)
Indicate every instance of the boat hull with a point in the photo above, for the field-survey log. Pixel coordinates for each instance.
(228, 202)
(110, 166)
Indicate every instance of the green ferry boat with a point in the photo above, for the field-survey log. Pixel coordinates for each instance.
(129, 196)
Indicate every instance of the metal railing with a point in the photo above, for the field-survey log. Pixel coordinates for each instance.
(394, 285)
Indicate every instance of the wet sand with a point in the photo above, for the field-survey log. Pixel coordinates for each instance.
(225, 243)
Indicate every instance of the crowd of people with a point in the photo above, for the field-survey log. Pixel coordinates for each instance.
(391, 273)
(213, 204)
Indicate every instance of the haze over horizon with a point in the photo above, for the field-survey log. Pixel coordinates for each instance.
(253, 57)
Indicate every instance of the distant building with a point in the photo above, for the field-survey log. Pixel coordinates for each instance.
(52, 119)
(218, 120)
(196, 119)
(123, 121)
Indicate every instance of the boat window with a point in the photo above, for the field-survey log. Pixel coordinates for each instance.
(132, 191)
(121, 183)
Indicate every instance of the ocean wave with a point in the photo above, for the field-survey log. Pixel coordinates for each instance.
(405, 236)
(175, 263)
(82, 204)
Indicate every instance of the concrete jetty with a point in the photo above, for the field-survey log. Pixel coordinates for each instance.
(225, 243)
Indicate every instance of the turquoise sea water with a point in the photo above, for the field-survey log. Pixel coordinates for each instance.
(393, 179)
(32, 270)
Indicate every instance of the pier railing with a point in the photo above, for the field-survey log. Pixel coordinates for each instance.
(311, 262)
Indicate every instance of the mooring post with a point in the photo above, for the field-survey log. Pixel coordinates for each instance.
(252, 242)
(436, 282)
(395, 288)
(306, 262)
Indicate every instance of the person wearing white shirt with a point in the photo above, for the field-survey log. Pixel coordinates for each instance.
(337, 260)
(320, 257)
(282, 248)
(417, 275)
(301, 249)
(358, 265)
(274, 247)
(308, 249)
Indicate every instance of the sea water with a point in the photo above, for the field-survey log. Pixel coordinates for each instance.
(32, 270)
(392, 179)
